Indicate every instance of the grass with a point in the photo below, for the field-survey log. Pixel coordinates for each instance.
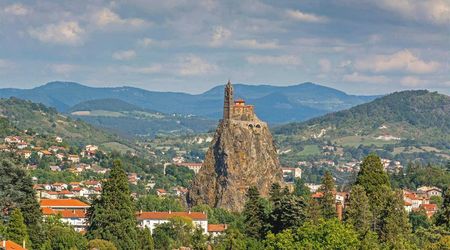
(115, 146)
(309, 150)
(355, 141)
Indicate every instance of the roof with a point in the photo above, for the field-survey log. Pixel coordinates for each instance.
(429, 207)
(66, 213)
(169, 215)
(11, 245)
(217, 227)
(63, 203)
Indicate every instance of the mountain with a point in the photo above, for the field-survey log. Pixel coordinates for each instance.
(274, 104)
(409, 124)
(130, 120)
(19, 115)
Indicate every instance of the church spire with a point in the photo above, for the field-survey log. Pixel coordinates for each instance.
(228, 101)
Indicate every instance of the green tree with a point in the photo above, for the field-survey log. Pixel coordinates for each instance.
(300, 189)
(64, 238)
(372, 175)
(419, 219)
(233, 239)
(443, 216)
(328, 201)
(255, 217)
(145, 240)
(281, 241)
(98, 244)
(174, 234)
(112, 216)
(288, 213)
(396, 230)
(16, 191)
(16, 229)
(357, 212)
(199, 239)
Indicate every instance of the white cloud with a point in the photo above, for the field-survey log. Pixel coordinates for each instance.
(124, 55)
(279, 60)
(193, 65)
(144, 70)
(106, 17)
(146, 42)
(358, 78)
(254, 44)
(16, 9)
(219, 36)
(305, 17)
(432, 11)
(401, 61)
(63, 68)
(69, 33)
(325, 65)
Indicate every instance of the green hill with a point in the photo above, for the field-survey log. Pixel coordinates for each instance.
(410, 124)
(130, 120)
(19, 115)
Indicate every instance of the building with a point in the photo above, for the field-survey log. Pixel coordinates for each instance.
(216, 229)
(11, 245)
(73, 158)
(194, 166)
(430, 191)
(72, 211)
(236, 110)
(289, 174)
(152, 219)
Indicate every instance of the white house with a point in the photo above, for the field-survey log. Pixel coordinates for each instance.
(152, 219)
(72, 211)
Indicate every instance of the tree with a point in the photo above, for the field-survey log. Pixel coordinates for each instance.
(255, 218)
(288, 213)
(146, 240)
(328, 202)
(395, 227)
(174, 234)
(199, 239)
(372, 175)
(443, 216)
(98, 244)
(64, 238)
(16, 229)
(233, 239)
(112, 216)
(16, 191)
(357, 212)
(300, 189)
(419, 219)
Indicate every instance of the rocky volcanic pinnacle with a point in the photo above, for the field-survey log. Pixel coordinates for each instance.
(242, 154)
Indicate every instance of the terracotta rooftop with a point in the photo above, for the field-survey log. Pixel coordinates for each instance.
(63, 203)
(169, 215)
(66, 213)
(11, 245)
(217, 227)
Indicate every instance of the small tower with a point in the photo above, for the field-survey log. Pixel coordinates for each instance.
(228, 101)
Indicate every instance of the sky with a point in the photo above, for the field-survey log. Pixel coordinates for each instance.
(358, 46)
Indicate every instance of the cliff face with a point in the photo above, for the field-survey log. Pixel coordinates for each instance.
(241, 155)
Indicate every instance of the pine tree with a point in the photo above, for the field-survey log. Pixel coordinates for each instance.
(443, 216)
(112, 217)
(376, 184)
(291, 214)
(146, 240)
(301, 189)
(16, 229)
(16, 191)
(357, 212)
(395, 227)
(255, 218)
(328, 201)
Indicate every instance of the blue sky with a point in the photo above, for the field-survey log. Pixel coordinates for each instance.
(359, 46)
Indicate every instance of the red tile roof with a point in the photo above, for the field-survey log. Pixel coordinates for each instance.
(429, 207)
(11, 245)
(217, 227)
(66, 213)
(169, 215)
(63, 203)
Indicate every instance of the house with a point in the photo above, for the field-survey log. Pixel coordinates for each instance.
(151, 219)
(161, 192)
(194, 166)
(13, 139)
(73, 158)
(431, 191)
(313, 187)
(60, 156)
(415, 199)
(11, 245)
(44, 153)
(340, 197)
(72, 211)
(25, 153)
(57, 186)
(22, 145)
(216, 229)
(430, 209)
(58, 139)
(52, 195)
(289, 174)
(4, 148)
(55, 168)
